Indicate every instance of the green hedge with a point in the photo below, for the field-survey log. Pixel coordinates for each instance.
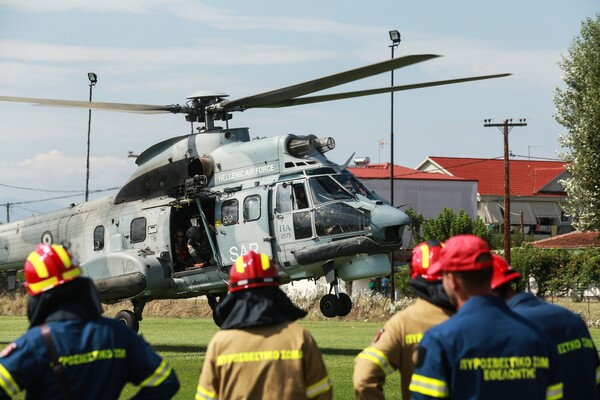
(558, 272)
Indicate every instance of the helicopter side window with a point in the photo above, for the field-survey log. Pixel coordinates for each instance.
(252, 208)
(229, 212)
(98, 238)
(138, 230)
(283, 199)
(300, 199)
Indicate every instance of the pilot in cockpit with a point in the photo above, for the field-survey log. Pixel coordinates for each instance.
(300, 200)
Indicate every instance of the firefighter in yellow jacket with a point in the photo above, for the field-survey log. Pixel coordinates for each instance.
(395, 346)
(260, 352)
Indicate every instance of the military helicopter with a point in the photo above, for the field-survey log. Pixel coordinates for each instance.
(278, 195)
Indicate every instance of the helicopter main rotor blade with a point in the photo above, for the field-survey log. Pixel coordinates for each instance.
(281, 95)
(134, 108)
(369, 92)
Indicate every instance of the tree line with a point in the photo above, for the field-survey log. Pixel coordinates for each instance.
(546, 272)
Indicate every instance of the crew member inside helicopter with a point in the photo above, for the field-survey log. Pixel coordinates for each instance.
(300, 200)
(199, 247)
(184, 259)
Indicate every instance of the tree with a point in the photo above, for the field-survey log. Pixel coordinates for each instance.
(449, 224)
(416, 221)
(578, 110)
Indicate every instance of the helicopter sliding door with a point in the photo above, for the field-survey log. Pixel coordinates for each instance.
(242, 224)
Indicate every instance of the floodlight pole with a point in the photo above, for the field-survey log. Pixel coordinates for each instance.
(395, 38)
(93, 78)
(506, 127)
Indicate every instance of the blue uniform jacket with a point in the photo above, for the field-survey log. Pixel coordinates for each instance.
(577, 353)
(486, 351)
(99, 357)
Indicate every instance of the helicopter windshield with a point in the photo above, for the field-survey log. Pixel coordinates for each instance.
(353, 185)
(332, 214)
(325, 189)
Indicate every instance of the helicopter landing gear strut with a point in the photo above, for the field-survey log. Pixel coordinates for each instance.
(337, 304)
(132, 318)
(213, 302)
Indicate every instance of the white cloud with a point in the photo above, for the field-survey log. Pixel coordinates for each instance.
(41, 6)
(53, 170)
(213, 53)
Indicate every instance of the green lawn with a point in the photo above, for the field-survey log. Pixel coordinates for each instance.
(182, 342)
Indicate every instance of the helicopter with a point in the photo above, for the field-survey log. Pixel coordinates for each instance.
(230, 194)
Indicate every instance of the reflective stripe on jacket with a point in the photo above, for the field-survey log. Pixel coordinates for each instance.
(486, 351)
(98, 357)
(395, 347)
(279, 361)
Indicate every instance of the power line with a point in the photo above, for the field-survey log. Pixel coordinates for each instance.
(79, 193)
(39, 190)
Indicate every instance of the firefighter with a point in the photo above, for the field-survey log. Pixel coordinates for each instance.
(485, 351)
(260, 352)
(69, 350)
(580, 365)
(395, 345)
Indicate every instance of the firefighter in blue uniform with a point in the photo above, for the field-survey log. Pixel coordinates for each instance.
(485, 351)
(70, 351)
(395, 345)
(577, 353)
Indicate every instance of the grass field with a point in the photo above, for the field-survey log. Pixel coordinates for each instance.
(182, 340)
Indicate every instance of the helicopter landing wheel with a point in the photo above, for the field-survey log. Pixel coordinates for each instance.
(346, 305)
(128, 318)
(330, 305)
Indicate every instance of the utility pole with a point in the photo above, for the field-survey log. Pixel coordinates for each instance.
(395, 38)
(93, 78)
(7, 213)
(505, 127)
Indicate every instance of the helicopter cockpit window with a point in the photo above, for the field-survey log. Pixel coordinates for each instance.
(325, 189)
(252, 208)
(353, 185)
(339, 218)
(98, 238)
(229, 212)
(138, 230)
(300, 198)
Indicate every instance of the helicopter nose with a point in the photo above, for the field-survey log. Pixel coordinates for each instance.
(389, 223)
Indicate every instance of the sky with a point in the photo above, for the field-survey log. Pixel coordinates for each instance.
(161, 51)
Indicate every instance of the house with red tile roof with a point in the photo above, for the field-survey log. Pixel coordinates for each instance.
(572, 240)
(427, 193)
(536, 195)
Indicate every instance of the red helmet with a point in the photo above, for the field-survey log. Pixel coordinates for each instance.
(252, 270)
(423, 256)
(503, 273)
(49, 266)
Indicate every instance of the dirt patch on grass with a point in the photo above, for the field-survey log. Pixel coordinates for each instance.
(366, 307)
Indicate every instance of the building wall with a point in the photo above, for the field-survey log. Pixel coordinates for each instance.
(429, 197)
